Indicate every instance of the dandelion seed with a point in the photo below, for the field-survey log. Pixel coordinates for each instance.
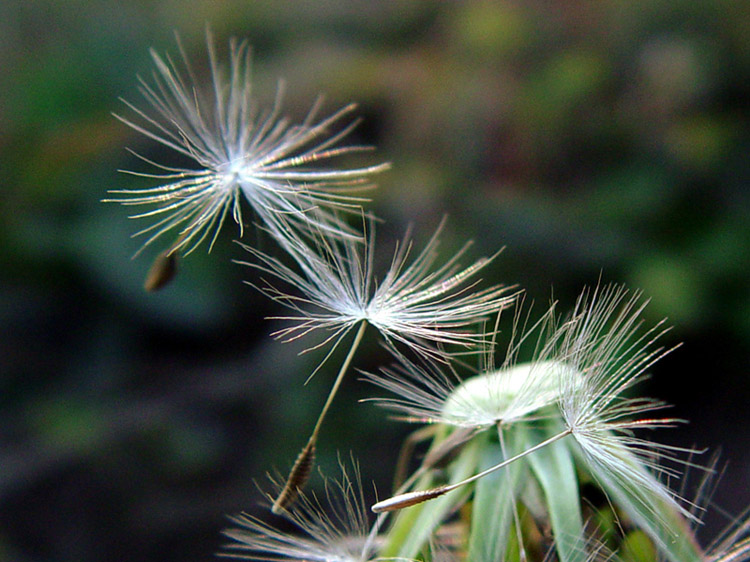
(415, 304)
(238, 149)
(601, 344)
(336, 530)
(162, 272)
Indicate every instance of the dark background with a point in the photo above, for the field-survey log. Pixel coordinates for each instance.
(591, 139)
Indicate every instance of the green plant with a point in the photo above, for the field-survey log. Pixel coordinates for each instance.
(517, 450)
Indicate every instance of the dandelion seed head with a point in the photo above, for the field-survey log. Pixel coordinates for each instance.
(602, 341)
(416, 303)
(506, 395)
(240, 151)
(583, 367)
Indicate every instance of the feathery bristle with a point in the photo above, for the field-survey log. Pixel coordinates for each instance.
(239, 151)
(417, 304)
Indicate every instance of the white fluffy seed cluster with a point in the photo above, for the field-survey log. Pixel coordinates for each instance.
(426, 310)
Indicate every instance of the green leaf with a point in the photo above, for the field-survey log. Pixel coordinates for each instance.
(413, 527)
(637, 547)
(554, 468)
(494, 498)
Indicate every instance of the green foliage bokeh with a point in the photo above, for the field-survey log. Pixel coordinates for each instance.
(593, 140)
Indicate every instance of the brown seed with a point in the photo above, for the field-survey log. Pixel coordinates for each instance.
(162, 271)
(298, 477)
(409, 499)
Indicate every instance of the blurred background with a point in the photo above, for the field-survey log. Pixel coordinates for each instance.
(590, 139)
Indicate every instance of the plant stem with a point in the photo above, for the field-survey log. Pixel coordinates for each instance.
(339, 378)
(300, 472)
